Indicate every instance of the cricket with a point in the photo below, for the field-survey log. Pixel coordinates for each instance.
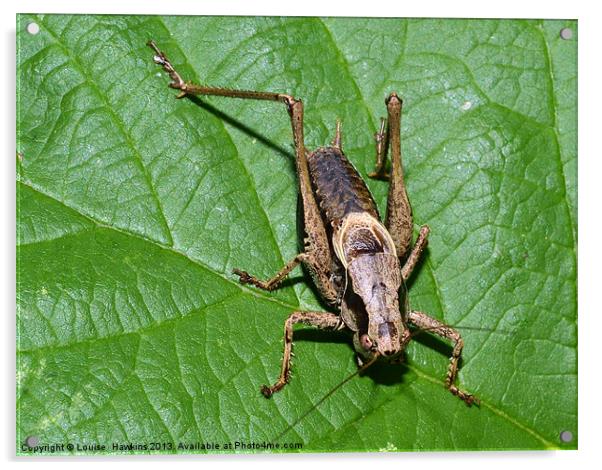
(358, 263)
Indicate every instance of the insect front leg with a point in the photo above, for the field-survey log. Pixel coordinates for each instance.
(423, 321)
(322, 320)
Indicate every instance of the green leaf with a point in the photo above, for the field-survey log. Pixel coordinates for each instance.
(134, 207)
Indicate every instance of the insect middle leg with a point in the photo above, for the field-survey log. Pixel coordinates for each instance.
(414, 256)
(322, 320)
(423, 321)
(274, 282)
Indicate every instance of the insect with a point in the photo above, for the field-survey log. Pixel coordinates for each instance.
(358, 263)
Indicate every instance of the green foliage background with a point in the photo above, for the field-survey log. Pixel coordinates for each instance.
(134, 207)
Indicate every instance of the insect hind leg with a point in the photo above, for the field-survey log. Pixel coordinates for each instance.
(398, 220)
(316, 240)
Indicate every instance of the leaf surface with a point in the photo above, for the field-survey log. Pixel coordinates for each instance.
(134, 207)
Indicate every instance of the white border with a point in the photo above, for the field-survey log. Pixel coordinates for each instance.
(589, 216)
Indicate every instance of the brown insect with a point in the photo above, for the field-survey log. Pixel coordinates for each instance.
(357, 263)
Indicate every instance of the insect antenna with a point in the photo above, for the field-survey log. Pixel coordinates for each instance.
(359, 371)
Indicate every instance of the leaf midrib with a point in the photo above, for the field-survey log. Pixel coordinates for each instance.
(171, 249)
(245, 290)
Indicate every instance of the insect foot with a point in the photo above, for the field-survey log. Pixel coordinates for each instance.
(467, 398)
(244, 277)
(268, 391)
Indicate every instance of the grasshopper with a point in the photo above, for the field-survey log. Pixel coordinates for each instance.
(357, 262)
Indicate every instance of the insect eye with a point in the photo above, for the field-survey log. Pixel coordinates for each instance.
(365, 342)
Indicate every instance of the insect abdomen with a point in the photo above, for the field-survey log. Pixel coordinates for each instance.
(339, 188)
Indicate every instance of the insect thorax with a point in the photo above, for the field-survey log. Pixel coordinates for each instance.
(360, 233)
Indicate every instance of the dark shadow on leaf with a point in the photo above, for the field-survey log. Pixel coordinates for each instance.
(385, 373)
(244, 128)
(382, 373)
(322, 336)
(435, 343)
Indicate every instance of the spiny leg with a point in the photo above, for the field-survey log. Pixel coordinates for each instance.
(423, 321)
(414, 256)
(274, 282)
(322, 320)
(399, 212)
(316, 240)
